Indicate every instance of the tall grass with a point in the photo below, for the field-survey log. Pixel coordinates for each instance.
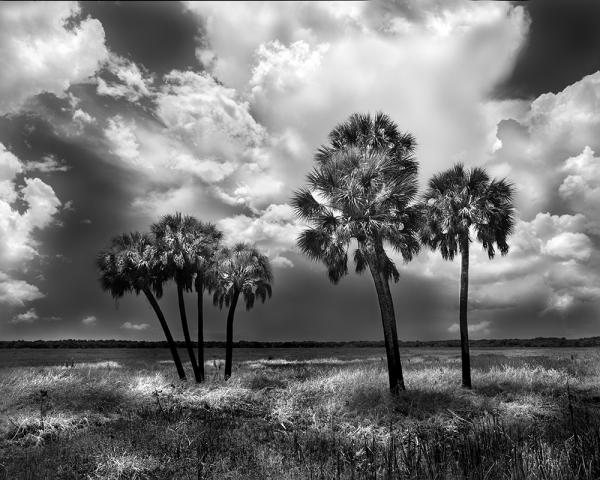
(526, 418)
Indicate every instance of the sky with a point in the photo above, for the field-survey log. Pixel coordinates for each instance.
(115, 113)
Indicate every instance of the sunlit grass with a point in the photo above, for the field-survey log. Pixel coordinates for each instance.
(526, 417)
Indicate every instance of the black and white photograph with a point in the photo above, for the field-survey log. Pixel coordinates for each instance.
(288, 240)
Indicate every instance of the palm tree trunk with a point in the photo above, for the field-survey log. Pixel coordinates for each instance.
(464, 327)
(229, 339)
(167, 332)
(200, 292)
(388, 319)
(186, 331)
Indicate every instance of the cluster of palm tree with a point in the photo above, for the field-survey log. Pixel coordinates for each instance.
(364, 190)
(189, 252)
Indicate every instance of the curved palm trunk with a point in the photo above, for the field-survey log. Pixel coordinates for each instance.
(199, 293)
(186, 331)
(229, 339)
(464, 327)
(167, 332)
(388, 319)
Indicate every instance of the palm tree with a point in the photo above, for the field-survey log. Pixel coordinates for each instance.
(176, 242)
(206, 244)
(240, 270)
(129, 265)
(363, 188)
(461, 203)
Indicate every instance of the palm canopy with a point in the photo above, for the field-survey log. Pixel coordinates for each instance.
(130, 264)
(206, 246)
(241, 270)
(462, 201)
(363, 186)
(184, 245)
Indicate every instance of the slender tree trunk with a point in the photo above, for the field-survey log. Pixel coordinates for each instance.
(167, 332)
(388, 319)
(229, 339)
(200, 293)
(464, 327)
(186, 331)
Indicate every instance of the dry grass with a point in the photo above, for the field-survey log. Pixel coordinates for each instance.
(527, 417)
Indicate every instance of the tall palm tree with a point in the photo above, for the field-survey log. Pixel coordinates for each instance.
(241, 270)
(177, 247)
(459, 204)
(129, 265)
(206, 245)
(363, 188)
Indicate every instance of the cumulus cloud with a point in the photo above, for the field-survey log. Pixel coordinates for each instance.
(18, 244)
(196, 106)
(287, 23)
(27, 317)
(581, 186)
(121, 136)
(550, 150)
(90, 320)
(283, 68)
(305, 66)
(135, 326)
(82, 117)
(43, 53)
(129, 80)
(16, 293)
(569, 245)
(17, 228)
(275, 230)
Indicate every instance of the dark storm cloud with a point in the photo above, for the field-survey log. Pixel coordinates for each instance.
(562, 46)
(159, 35)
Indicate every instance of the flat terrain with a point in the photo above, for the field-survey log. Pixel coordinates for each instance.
(299, 413)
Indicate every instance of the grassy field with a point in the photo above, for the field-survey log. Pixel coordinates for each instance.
(531, 415)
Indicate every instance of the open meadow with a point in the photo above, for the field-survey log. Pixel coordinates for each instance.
(300, 413)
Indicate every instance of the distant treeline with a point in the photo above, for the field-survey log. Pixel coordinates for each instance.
(507, 342)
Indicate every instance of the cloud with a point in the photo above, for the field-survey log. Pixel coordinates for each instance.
(90, 320)
(569, 245)
(43, 53)
(129, 81)
(283, 68)
(249, 125)
(275, 230)
(581, 186)
(287, 23)
(16, 293)
(135, 326)
(482, 327)
(304, 67)
(47, 164)
(18, 226)
(27, 317)
(550, 149)
(82, 117)
(121, 136)
(282, 262)
(195, 106)
(10, 166)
